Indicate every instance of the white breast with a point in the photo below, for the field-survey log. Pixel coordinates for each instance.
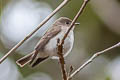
(51, 47)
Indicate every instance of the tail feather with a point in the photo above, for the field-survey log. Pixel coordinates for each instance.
(38, 61)
(34, 56)
(24, 60)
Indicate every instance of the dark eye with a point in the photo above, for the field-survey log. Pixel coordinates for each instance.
(67, 23)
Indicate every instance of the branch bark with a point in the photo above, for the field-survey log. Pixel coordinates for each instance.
(62, 61)
(34, 31)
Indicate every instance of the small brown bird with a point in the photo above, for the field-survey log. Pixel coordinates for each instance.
(47, 46)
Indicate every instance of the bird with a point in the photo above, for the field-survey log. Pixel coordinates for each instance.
(46, 47)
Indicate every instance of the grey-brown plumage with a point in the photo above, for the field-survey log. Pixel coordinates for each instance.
(46, 47)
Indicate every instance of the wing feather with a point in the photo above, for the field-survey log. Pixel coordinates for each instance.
(45, 39)
(52, 32)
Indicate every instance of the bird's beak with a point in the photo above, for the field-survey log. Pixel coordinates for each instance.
(77, 23)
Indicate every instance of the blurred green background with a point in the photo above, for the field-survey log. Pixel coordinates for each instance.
(99, 29)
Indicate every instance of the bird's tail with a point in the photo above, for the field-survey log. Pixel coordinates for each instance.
(25, 60)
(39, 60)
(32, 59)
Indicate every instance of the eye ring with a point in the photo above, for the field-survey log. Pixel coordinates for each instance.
(67, 23)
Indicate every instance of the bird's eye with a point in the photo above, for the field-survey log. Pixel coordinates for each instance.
(67, 23)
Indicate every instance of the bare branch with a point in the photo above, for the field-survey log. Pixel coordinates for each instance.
(34, 31)
(60, 43)
(75, 19)
(61, 59)
(92, 58)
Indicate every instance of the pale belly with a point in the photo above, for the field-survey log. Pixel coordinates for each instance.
(51, 47)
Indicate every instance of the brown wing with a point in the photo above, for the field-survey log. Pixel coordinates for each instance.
(53, 31)
(45, 39)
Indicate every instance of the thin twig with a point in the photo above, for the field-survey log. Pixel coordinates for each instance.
(34, 31)
(70, 70)
(92, 58)
(75, 19)
(61, 59)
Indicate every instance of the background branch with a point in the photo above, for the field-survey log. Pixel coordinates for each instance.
(92, 58)
(39, 26)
